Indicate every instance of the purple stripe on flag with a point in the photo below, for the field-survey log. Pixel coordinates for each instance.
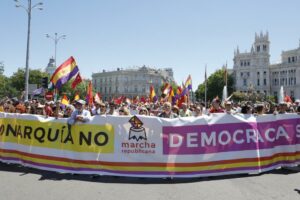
(66, 78)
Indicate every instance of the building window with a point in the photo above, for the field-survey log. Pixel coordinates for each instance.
(293, 59)
(248, 63)
(241, 74)
(258, 48)
(265, 81)
(265, 73)
(275, 94)
(264, 47)
(289, 60)
(285, 80)
(257, 82)
(257, 74)
(135, 88)
(242, 63)
(109, 90)
(245, 82)
(248, 74)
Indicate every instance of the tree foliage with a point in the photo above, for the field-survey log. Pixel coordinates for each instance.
(81, 89)
(18, 78)
(215, 85)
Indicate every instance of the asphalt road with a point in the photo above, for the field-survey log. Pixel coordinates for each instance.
(19, 183)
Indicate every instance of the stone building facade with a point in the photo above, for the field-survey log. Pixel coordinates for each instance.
(50, 69)
(253, 70)
(130, 82)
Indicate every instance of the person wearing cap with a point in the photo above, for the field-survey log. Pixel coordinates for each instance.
(99, 109)
(185, 112)
(228, 107)
(79, 114)
(215, 106)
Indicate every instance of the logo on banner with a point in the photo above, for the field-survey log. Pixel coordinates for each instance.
(137, 139)
(137, 131)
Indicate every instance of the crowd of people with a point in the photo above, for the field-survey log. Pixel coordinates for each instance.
(79, 110)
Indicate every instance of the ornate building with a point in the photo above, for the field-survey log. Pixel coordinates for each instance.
(253, 70)
(50, 69)
(130, 82)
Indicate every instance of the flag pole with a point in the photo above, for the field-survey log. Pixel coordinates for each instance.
(205, 90)
(226, 74)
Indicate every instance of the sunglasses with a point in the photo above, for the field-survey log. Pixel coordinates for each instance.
(121, 110)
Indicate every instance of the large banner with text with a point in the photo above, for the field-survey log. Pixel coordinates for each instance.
(142, 146)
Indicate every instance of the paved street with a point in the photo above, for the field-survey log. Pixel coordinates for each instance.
(24, 183)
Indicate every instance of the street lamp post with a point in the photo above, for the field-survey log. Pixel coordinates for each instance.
(28, 10)
(56, 38)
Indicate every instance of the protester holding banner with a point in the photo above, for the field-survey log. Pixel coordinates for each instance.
(167, 112)
(185, 112)
(79, 114)
(215, 106)
(68, 111)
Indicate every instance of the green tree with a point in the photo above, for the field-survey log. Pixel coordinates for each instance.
(81, 89)
(215, 85)
(6, 90)
(17, 79)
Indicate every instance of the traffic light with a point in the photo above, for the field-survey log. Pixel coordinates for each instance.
(45, 82)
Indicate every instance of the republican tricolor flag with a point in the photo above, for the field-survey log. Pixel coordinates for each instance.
(64, 73)
(76, 81)
(153, 97)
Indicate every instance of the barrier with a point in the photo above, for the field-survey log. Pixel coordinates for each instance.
(143, 146)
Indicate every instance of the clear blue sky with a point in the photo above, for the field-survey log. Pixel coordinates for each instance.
(184, 35)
